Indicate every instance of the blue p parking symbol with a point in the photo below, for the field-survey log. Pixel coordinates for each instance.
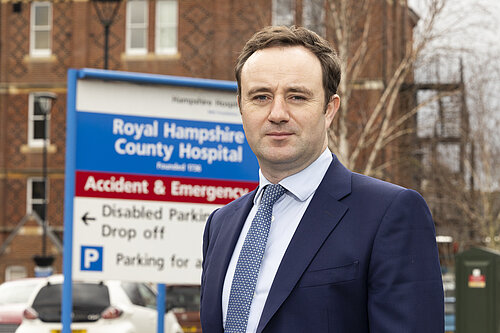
(91, 258)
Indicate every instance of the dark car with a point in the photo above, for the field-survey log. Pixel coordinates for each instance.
(184, 302)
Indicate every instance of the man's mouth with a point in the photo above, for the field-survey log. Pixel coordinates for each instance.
(279, 134)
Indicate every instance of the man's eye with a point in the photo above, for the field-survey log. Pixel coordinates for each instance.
(298, 98)
(261, 98)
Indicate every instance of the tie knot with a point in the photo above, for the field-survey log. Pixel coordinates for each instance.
(272, 193)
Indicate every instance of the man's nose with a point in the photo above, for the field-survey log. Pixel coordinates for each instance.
(279, 111)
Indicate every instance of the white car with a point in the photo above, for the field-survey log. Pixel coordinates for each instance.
(98, 307)
(14, 296)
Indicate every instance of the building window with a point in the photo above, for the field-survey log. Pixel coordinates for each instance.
(166, 26)
(283, 12)
(36, 197)
(313, 16)
(38, 124)
(15, 272)
(137, 27)
(41, 28)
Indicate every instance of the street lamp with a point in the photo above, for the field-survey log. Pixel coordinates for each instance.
(106, 11)
(44, 101)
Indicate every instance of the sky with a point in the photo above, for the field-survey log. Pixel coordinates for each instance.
(470, 31)
(471, 24)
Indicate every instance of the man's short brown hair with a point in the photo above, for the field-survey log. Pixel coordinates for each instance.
(281, 36)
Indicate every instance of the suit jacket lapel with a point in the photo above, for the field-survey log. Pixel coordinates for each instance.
(229, 232)
(319, 220)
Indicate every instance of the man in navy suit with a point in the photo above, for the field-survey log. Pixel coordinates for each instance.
(345, 252)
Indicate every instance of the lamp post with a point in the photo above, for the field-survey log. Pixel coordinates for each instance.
(106, 11)
(44, 102)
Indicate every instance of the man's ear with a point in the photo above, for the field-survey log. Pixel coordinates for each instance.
(331, 109)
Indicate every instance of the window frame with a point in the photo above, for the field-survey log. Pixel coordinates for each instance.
(281, 21)
(307, 8)
(34, 28)
(30, 201)
(159, 25)
(32, 117)
(129, 26)
(15, 272)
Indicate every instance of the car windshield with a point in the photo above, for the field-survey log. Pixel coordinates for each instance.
(89, 301)
(16, 292)
(139, 294)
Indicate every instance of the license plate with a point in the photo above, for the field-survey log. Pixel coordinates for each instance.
(72, 331)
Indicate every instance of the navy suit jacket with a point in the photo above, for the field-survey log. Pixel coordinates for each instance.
(363, 259)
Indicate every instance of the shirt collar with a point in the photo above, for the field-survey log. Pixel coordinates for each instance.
(304, 183)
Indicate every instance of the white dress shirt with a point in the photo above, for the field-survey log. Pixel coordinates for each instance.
(287, 213)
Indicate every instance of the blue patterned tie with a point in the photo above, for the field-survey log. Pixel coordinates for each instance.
(248, 265)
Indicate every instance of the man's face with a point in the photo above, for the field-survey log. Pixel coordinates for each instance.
(283, 111)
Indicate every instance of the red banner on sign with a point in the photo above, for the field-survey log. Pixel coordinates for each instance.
(156, 188)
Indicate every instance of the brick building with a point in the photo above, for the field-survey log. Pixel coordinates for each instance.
(40, 40)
